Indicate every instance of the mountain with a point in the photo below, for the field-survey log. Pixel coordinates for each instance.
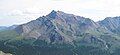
(12, 27)
(58, 27)
(3, 27)
(59, 33)
(112, 24)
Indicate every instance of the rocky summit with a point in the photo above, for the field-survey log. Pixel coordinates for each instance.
(59, 33)
(57, 27)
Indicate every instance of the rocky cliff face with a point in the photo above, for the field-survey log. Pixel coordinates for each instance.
(57, 27)
(60, 27)
(2, 53)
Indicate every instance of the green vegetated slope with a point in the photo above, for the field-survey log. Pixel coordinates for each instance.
(12, 43)
(18, 45)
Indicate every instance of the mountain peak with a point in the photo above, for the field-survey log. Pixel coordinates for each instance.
(54, 13)
(108, 18)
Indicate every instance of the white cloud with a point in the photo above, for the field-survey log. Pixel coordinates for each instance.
(22, 9)
(15, 13)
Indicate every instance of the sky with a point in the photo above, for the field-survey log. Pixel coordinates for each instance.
(14, 12)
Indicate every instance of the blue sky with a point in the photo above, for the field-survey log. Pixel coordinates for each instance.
(22, 11)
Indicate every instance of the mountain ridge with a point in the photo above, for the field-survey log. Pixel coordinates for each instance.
(57, 26)
(59, 33)
(59, 18)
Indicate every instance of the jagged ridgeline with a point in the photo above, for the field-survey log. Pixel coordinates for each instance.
(59, 33)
